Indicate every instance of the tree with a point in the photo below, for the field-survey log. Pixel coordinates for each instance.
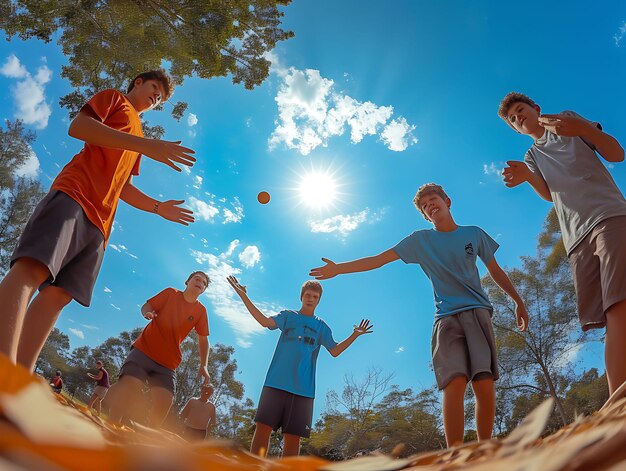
(18, 194)
(54, 354)
(108, 42)
(536, 362)
(114, 350)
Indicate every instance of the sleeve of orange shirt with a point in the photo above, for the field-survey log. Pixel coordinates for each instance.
(102, 105)
(157, 302)
(202, 326)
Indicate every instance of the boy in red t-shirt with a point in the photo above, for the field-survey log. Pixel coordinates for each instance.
(61, 248)
(156, 354)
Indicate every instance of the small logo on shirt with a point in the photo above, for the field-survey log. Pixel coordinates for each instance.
(469, 249)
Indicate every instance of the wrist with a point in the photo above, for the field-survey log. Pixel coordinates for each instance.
(155, 208)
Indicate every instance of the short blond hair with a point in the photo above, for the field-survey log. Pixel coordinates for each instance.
(311, 285)
(427, 189)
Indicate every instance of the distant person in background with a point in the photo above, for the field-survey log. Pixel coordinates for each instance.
(102, 386)
(56, 383)
(198, 415)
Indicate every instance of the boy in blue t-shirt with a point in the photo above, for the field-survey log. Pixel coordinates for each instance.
(463, 345)
(287, 398)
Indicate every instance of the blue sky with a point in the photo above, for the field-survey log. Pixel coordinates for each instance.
(383, 100)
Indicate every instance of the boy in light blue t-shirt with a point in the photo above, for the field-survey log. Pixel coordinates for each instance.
(463, 344)
(289, 390)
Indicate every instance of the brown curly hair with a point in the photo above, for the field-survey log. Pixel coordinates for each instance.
(427, 189)
(158, 74)
(509, 100)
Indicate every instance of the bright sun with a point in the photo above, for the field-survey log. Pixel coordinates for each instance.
(317, 189)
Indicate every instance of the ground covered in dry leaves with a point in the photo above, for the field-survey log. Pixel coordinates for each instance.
(42, 431)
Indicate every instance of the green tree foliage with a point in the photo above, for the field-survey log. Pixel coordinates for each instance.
(536, 362)
(108, 42)
(371, 415)
(54, 354)
(18, 194)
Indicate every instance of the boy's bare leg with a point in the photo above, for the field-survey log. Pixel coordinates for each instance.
(485, 393)
(261, 439)
(95, 403)
(454, 410)
(291, 445)
(16, 290)
(615, 345)
(123, 397)
(40, 318)
(161, 404)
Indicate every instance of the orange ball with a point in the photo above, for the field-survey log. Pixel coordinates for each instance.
(263, 197)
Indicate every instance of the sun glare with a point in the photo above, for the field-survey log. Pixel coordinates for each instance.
(317, 189)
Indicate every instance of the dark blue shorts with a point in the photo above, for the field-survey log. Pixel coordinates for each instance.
(282, 409)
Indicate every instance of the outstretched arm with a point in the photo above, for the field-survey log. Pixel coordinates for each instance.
(564, 125)
(252, 309)
(363, 328)
(86, 128)
(517, 172)
(332, 269)
(503, 281)
(169, 210)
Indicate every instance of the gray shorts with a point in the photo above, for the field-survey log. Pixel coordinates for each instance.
(59, 235)
(100, 391)
(599, 267)
(141, 366)
(463, 344)
(282, 409)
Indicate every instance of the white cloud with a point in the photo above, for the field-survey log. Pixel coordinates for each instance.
(569, 355)
(250, 256)
(78, 333)
(122, 249)
(234, 215)
(192, 119)
(397, 135)
(29, 92)
(202, 209)
(30, 167)
(621, 32)
(399, 350)
(225, 302)
(107, 290)
(197, 181)
(342, 225)
(115, 307)
(493, 168)
(310, 112)
(90, 327)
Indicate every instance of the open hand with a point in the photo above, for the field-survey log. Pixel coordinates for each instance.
(169, 153)
(515, 173)
(364, 327)
(563, 125)
(327, 271)
(521, 317)
(171, 211)
(150, 315)
(239, 288)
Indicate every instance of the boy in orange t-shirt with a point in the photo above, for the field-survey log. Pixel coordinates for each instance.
(156, 354)
(61, 248)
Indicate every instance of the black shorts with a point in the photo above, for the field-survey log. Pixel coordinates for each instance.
(282, 409)
(141, 366)
(59, 235)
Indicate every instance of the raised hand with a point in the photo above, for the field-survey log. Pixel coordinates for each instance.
(563, 125)
(515, 173)
(364, 327)
(150, 315)
(168, 152)
(327, 271)
(521, 317)
(239, 288)
(171, 211)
